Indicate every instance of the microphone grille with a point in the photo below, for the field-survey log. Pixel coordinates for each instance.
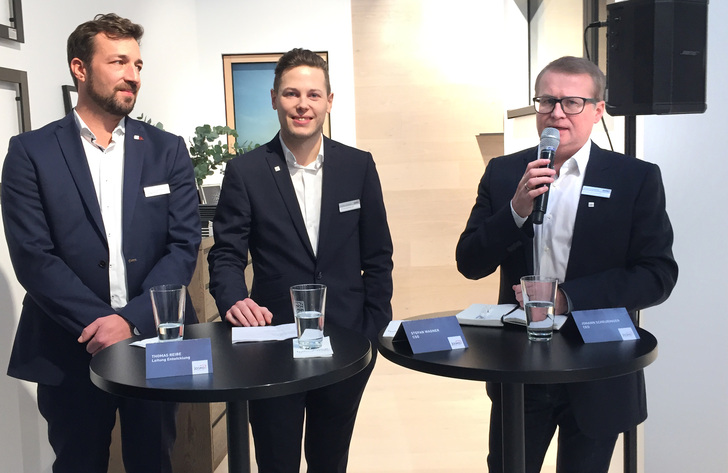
(550, 138)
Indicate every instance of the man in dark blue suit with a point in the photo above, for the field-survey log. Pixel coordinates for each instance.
(309, 210)
(97, 208)
(606, 236)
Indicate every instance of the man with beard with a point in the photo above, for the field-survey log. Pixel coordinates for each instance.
(97, 208)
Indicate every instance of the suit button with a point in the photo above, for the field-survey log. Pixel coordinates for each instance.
(319, 275)
(102, 264)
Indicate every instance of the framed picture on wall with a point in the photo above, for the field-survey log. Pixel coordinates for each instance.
(248, 107)
(11, 21)
(70, 97)
(14, 106)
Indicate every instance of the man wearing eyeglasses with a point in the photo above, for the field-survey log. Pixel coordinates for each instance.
(607, 238)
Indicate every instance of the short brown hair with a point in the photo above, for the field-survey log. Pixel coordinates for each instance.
(81, 42)
(577, 65)
(300, 57)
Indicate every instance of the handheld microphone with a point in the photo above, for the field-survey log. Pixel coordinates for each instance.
(547, 150)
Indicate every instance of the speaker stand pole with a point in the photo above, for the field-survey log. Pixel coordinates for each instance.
(630, 437)
(630, 135)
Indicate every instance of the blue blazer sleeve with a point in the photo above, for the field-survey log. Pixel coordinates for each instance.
(376, 254)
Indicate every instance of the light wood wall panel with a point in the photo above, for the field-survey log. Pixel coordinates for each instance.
(424, 92)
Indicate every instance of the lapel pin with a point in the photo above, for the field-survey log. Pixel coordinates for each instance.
(591, 204)
(138, 138)
(277, 168)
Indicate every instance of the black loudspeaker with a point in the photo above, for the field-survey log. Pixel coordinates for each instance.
(656, 56)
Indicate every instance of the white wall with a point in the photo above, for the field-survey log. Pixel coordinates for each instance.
(182, 86)
(687, 386)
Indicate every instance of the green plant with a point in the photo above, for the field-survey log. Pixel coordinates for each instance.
(210, 149)
(149, 121)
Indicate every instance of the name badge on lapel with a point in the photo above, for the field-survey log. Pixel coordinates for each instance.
(348, 206)
(153, 191)
(596, 192)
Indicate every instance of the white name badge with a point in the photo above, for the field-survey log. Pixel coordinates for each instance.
(348, 206)
(160, 189)
(596, 192)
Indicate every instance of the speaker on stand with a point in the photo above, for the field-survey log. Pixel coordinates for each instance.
(656, 64)
(656, 57)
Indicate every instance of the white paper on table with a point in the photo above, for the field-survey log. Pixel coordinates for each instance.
(324, 351)
(143, 343)
(265, 333)
(392, 328)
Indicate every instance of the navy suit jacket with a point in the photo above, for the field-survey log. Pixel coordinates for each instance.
(258, 212)
(58, 247)
(621, 256)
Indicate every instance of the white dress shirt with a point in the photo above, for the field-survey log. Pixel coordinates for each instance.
(307, 181)
(107, 171)
(557, 229)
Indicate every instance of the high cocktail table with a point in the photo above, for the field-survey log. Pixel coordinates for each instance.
(241, 372)
(504, 355)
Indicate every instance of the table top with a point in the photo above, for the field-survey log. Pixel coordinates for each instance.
(241, 371)
(504, 354)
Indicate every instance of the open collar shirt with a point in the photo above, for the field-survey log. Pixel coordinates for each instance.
(107, 171)
(307, 182)
(557, 230)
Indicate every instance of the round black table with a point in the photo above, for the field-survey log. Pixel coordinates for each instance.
(241, 372)
(506, 356)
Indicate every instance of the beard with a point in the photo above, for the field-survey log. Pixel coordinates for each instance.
(110, 103)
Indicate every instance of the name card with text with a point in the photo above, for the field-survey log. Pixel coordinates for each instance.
(179, 358)
(428, 335)
(605, 325)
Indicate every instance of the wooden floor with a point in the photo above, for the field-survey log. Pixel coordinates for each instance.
(411, 422)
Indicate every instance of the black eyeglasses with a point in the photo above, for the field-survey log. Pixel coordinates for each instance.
(570, 105)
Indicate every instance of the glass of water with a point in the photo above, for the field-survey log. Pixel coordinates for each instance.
(309, 307)
(168, 306)
(539, 295)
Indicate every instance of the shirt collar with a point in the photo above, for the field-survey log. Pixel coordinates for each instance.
(291, 159)
(577, 163)
(88, 135)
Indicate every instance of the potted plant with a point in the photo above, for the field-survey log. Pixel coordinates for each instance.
(208, 150)
(211, 148)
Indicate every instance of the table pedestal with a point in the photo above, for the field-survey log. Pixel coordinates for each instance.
(238, 437)
(514, 437)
